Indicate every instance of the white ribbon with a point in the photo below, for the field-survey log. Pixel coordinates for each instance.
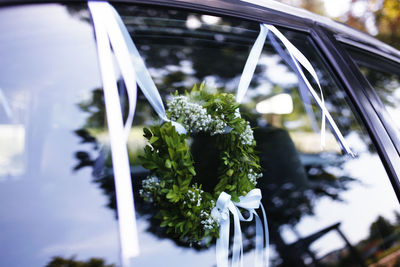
(122, 177)
(298, 59)
(223, 208)
(110, 29)
(303, 89)
(251, 64)
(138, 66)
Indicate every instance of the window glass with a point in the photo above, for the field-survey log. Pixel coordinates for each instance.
(53, 212)
(57, 189)
(384, 77)
(324, 208)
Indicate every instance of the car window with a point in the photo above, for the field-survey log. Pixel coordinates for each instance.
(53, 212)
(323, 207)
(384, 77)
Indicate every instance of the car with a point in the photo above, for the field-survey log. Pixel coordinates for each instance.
(123, 126)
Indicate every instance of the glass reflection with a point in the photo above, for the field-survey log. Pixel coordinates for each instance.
(384, 77)
(50, 214)
(321, 205)
(93, 262)
(324, 209)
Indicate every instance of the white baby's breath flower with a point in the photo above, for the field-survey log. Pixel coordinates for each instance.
(207, 220)
(194, 196)
(253, 176)
(195, 116)
(149, 185)
(246, 138)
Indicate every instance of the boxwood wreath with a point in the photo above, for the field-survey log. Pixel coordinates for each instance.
(184, 208)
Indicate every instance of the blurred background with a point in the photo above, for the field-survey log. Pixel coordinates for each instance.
(379, 18)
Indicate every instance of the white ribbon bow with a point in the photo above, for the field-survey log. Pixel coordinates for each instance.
(224, 206)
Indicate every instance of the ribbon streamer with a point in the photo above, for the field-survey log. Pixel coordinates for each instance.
(303, 90)
(110, 29)
(144, 79)
(251, 64)
(221, 211)
(122, 177)
(298, 59)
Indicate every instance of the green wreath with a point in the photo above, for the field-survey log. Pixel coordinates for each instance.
(184, 208)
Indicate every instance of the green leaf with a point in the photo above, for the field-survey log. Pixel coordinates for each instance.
(185, 183)
(150, 165)
(153, 139)
(229, 172)
(175, 188)
(168, 164)
(171, 153)
(171, 195)
(191, 170)
(168, 140)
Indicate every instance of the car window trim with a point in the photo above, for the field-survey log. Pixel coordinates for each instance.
(367, 48)
(386, 66)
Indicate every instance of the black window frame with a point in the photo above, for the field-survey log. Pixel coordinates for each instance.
(385, 64)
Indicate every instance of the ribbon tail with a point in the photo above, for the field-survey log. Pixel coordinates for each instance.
(251, 63)
(237, 249)
(138, 67)
(122, 55)
(222, 244)
(299, 58)
(266, 237)
(144, 79)
(303, 90)
(258, 259)
(321, 104)
(122, 176)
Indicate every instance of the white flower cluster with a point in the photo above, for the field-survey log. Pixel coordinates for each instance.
(149, 185)
(253, 176)
(218, 125)
(195, 116)
(207, 220)
(237, 113)
(246, 138)
(194, 196)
